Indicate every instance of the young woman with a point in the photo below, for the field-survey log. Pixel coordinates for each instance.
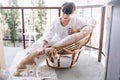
(60, 28)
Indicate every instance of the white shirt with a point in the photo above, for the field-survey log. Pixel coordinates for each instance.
(58, 32)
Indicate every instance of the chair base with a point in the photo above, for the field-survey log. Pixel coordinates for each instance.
(58, 63)
(59, 67)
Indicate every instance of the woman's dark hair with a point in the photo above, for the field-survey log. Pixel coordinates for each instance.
(68, 7)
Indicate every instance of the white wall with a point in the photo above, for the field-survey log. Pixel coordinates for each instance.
(113, 47)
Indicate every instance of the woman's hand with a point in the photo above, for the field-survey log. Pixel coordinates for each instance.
(43, 49)
(43, 46)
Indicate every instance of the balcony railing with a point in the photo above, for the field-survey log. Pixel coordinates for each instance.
(86, 10)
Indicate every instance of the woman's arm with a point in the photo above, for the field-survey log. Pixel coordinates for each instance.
(78, 24)
(44, 43)
(49, 34)
(81, 27)
(74, 30)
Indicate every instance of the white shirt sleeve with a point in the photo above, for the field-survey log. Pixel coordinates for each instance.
(50, 33)
(79, 23)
